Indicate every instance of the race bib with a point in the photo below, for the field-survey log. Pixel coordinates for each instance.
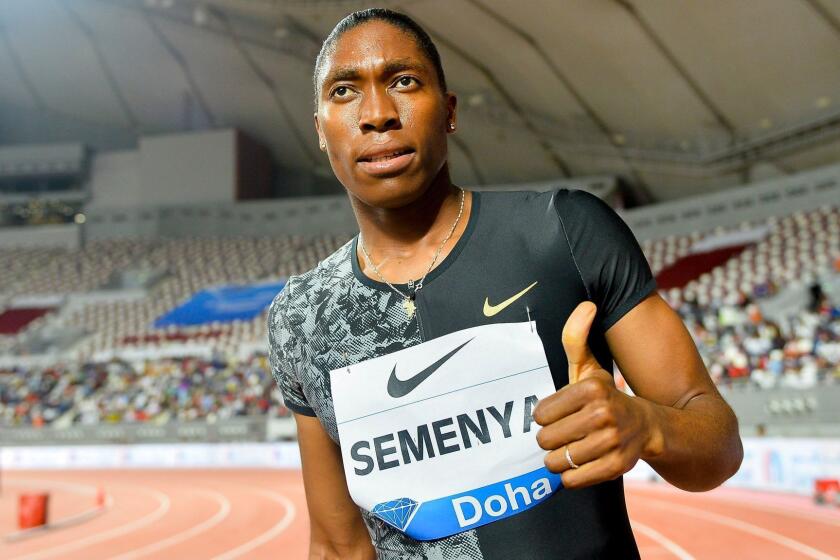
(439, 438)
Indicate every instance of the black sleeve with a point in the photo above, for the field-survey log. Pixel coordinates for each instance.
(283, 355)
(610, 262)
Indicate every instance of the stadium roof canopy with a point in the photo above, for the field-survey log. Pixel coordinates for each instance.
(679, 97)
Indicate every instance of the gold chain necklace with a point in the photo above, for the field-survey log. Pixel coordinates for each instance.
(408, 299)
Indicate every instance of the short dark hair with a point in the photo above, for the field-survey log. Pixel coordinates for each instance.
(401, 21)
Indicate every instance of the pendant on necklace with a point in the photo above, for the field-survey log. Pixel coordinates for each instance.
(409, 306)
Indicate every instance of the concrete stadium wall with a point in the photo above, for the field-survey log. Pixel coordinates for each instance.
(116, 181)
(198, 167)
(770, 464)
(111, 223)
(194, 168)
(300, 216)
(230, 430)
(332, 214)
(283, 455)
(776, 464)
(787, 412)
(304, 216)
(66, 236)
(776, 197)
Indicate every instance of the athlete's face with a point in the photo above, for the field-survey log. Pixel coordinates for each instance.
(382, 117)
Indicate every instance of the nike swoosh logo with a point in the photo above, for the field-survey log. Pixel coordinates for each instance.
(490, 310)
(397, 388)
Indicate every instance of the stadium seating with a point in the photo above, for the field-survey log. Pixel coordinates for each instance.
(192, 264)
(796, 249)
(158, 391)
(738, 344)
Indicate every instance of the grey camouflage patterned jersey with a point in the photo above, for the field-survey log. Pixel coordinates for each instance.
(344, 323)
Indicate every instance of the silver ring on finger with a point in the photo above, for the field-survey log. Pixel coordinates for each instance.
(569, 459)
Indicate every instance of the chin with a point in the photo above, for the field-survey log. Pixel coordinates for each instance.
(390, 193)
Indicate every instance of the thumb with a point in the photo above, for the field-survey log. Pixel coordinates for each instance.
(575, 334)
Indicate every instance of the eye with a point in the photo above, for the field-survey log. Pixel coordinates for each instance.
(342, 93)
(405, 82)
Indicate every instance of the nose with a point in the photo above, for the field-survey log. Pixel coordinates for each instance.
(378, 112)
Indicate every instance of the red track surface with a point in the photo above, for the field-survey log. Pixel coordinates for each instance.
(262, 514)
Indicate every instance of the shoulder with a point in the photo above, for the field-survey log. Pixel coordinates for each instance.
(515, 198)
(527, 207)
(563, 200)
(278, 310)
(575, 208)
(295, 297)
(582, 214)
(571, 202)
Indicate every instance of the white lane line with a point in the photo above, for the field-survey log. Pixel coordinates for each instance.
(218, 517)
(767, 534)
(664, 541)
(164, 504)
(763, 507)
(63, 523)
(263, 538)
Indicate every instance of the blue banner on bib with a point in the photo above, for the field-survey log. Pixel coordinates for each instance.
(223, 304)
(461, 512)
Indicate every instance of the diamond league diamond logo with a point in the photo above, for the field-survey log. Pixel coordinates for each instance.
(396, 512)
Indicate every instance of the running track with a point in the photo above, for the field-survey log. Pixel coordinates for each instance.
(227, 514)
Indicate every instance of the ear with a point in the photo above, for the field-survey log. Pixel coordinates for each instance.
(322, 142)
(451, 111)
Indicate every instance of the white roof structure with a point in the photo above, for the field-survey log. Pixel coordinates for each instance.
(679, 97)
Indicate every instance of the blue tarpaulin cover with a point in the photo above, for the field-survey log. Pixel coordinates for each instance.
(223, 304)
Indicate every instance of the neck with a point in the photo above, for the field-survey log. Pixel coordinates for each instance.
(402, 241)
(425, 220)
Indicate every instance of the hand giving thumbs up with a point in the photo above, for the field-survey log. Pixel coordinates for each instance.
(592, 431)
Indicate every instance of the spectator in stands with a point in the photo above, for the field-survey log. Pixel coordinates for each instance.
(801, 352)
(739, 344)
(112, 392)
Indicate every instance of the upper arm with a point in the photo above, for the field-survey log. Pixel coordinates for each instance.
(608, 259)
(647, 339)
(657, 356)
(337, 529)
(284, 354)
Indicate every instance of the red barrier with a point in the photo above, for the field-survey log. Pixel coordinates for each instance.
(827, 491)
(32, 510)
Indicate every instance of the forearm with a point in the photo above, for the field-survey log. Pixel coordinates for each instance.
(324, 547)
(696, 447)
(336, 528)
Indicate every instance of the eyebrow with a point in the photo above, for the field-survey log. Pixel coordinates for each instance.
(350, 73)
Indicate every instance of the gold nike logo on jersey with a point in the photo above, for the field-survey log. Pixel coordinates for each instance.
(490, 310)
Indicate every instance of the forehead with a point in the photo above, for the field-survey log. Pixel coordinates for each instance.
(372, 44)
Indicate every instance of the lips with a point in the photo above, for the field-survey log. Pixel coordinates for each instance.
(386, 161)
(385, 156)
